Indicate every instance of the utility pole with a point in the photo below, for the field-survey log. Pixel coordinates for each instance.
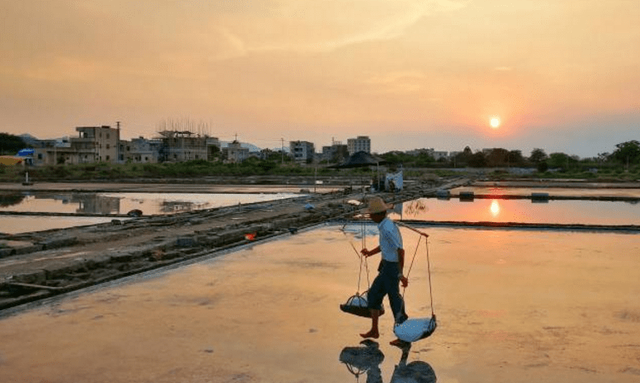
(118, 143)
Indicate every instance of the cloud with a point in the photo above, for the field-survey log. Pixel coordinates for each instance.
(396, 82)
(325, 26)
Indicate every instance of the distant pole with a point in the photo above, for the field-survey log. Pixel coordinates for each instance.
(118, 143)
(282, 150)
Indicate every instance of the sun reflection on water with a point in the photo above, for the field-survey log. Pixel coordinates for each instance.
(494, 208)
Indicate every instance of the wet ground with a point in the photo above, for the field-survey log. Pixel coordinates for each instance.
(512, 306)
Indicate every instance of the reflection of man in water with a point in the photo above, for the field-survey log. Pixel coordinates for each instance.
(367, 359)
(364, 359)
(390, 269)
(414, 372)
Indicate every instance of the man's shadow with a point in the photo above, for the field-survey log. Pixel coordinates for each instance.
(366, 359)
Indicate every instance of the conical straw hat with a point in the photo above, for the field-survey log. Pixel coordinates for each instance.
(377, 205)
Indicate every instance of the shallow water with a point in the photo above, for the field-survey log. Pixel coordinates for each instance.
(121, 203)
(511, 306)
(17, 224)
(521, 210)
(557, 191)
(425, 209)
(109, 203)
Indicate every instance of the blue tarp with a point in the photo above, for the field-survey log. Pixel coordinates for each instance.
(25, 153)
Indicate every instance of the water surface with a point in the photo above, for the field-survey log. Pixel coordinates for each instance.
(521, 210)
(525, 306)
(121, 203)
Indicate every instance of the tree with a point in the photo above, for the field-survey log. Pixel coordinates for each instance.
(603, 157)
(10, 144)
(423, 160)
(463, 158)
(537, 156)
(213, 152)
(497, 157)
(478, 160)
(562, 160)
(515, 158)
(627, 153)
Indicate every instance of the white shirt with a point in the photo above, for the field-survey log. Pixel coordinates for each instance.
(390, 240)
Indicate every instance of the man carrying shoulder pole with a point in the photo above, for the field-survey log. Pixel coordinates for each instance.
(390, 271)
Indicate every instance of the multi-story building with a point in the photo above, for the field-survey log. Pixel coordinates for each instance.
(359, 144)
(235, 153)
(140, 150)
(180, 146)
(52, 152)
(95, 144)
(302, 151)
(337, 152)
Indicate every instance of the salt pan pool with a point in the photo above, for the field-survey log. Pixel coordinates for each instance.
(521, 211)
(121, 203)
(530, 306)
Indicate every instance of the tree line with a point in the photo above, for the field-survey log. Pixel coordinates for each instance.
(626, 154)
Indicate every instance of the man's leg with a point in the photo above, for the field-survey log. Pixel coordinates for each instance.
(374, 332)
(374, 298)
(395, 298)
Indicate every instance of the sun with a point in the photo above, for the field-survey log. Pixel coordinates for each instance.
(495, 122)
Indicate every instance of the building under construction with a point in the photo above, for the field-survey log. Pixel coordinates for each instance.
(180, 146)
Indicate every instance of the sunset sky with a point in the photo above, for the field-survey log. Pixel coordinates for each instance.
(561, 75)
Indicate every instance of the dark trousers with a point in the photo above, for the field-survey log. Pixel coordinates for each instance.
(387, 283)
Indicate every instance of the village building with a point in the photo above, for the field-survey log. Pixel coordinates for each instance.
(302, 151)
(234, 153)
(359, 144)
(95, 144)
(335, 153)
(140, 151)
(181, 146)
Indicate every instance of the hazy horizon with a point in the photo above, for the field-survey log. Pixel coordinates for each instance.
(557, 75)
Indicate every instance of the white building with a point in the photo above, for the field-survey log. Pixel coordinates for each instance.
(140, 150)
(437, 155)
(235, 153)
(302, 151)
(359, 144)
(96, 144)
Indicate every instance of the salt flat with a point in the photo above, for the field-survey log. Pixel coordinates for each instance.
(512, 306)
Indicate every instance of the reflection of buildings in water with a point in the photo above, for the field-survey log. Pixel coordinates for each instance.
(366, 359)
(10, 199)
(90, 203)
(96, 204)
(177, 206)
